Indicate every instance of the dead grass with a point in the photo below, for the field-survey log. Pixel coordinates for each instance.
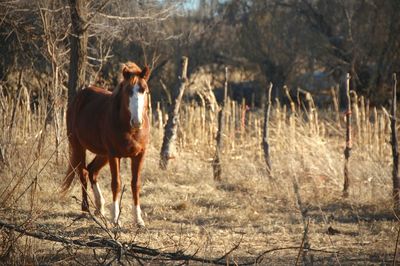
(186, 210)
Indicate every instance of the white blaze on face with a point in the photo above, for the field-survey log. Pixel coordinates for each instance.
(136, 106)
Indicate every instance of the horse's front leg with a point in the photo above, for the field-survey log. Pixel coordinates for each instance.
(136, 166)
(115, 187)
(94, 167)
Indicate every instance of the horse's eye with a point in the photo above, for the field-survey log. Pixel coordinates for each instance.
(145, 89)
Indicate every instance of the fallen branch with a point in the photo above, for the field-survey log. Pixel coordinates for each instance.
(260, 257)
(143, 253)
(128, 249)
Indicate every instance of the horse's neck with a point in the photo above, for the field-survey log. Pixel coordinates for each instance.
(119, 112)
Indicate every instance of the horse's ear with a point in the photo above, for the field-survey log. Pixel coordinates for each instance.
(145, 73)
(116, 89)
(126, 72)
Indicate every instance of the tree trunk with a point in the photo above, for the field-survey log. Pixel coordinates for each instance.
(168, 148)
(217, 170)
(276, 75)
(78, 45)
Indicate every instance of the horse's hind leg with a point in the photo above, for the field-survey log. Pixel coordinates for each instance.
(94, 168)
(79, 155)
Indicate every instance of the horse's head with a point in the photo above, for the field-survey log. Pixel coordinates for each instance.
(133, 90)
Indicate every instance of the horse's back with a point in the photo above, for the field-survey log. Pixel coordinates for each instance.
(89, 100)
(92, 95)
(86, 116)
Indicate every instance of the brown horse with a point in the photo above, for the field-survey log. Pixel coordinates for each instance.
(112, 126)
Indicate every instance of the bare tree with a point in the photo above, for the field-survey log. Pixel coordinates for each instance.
(265, 37)
(78, 46)
(288, 38)
(56, 30)
(168, 148)
(339, 29)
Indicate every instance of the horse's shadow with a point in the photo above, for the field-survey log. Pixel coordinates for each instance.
(71, 223)
(347, 213)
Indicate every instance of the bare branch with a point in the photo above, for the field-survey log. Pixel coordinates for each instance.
(161, 15)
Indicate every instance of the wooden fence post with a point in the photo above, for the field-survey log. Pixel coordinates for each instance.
(168, 148)
(347, 150)
(395, 150)
(265, 143)
(336, 105)
(221, 121)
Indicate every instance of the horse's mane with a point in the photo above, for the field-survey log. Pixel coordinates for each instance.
(131, 68)
(127, 69)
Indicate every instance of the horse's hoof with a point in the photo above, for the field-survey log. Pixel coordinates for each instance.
(99, 213)
(116, 224)
(140, 224)
(85, 206)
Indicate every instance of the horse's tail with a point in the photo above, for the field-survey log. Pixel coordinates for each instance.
(69, 177)
(74, 150)
(73, 164)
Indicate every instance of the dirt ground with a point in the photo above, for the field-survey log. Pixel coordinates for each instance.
(187, 212)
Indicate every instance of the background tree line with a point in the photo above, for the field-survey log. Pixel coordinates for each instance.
(285, 42)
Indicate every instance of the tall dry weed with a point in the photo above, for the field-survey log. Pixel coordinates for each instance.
(305, 144)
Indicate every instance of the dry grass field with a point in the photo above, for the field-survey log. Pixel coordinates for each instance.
(248, 217)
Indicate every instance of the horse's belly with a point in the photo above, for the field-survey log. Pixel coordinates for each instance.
(92, 143)
(96, 149)
(89, 135)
